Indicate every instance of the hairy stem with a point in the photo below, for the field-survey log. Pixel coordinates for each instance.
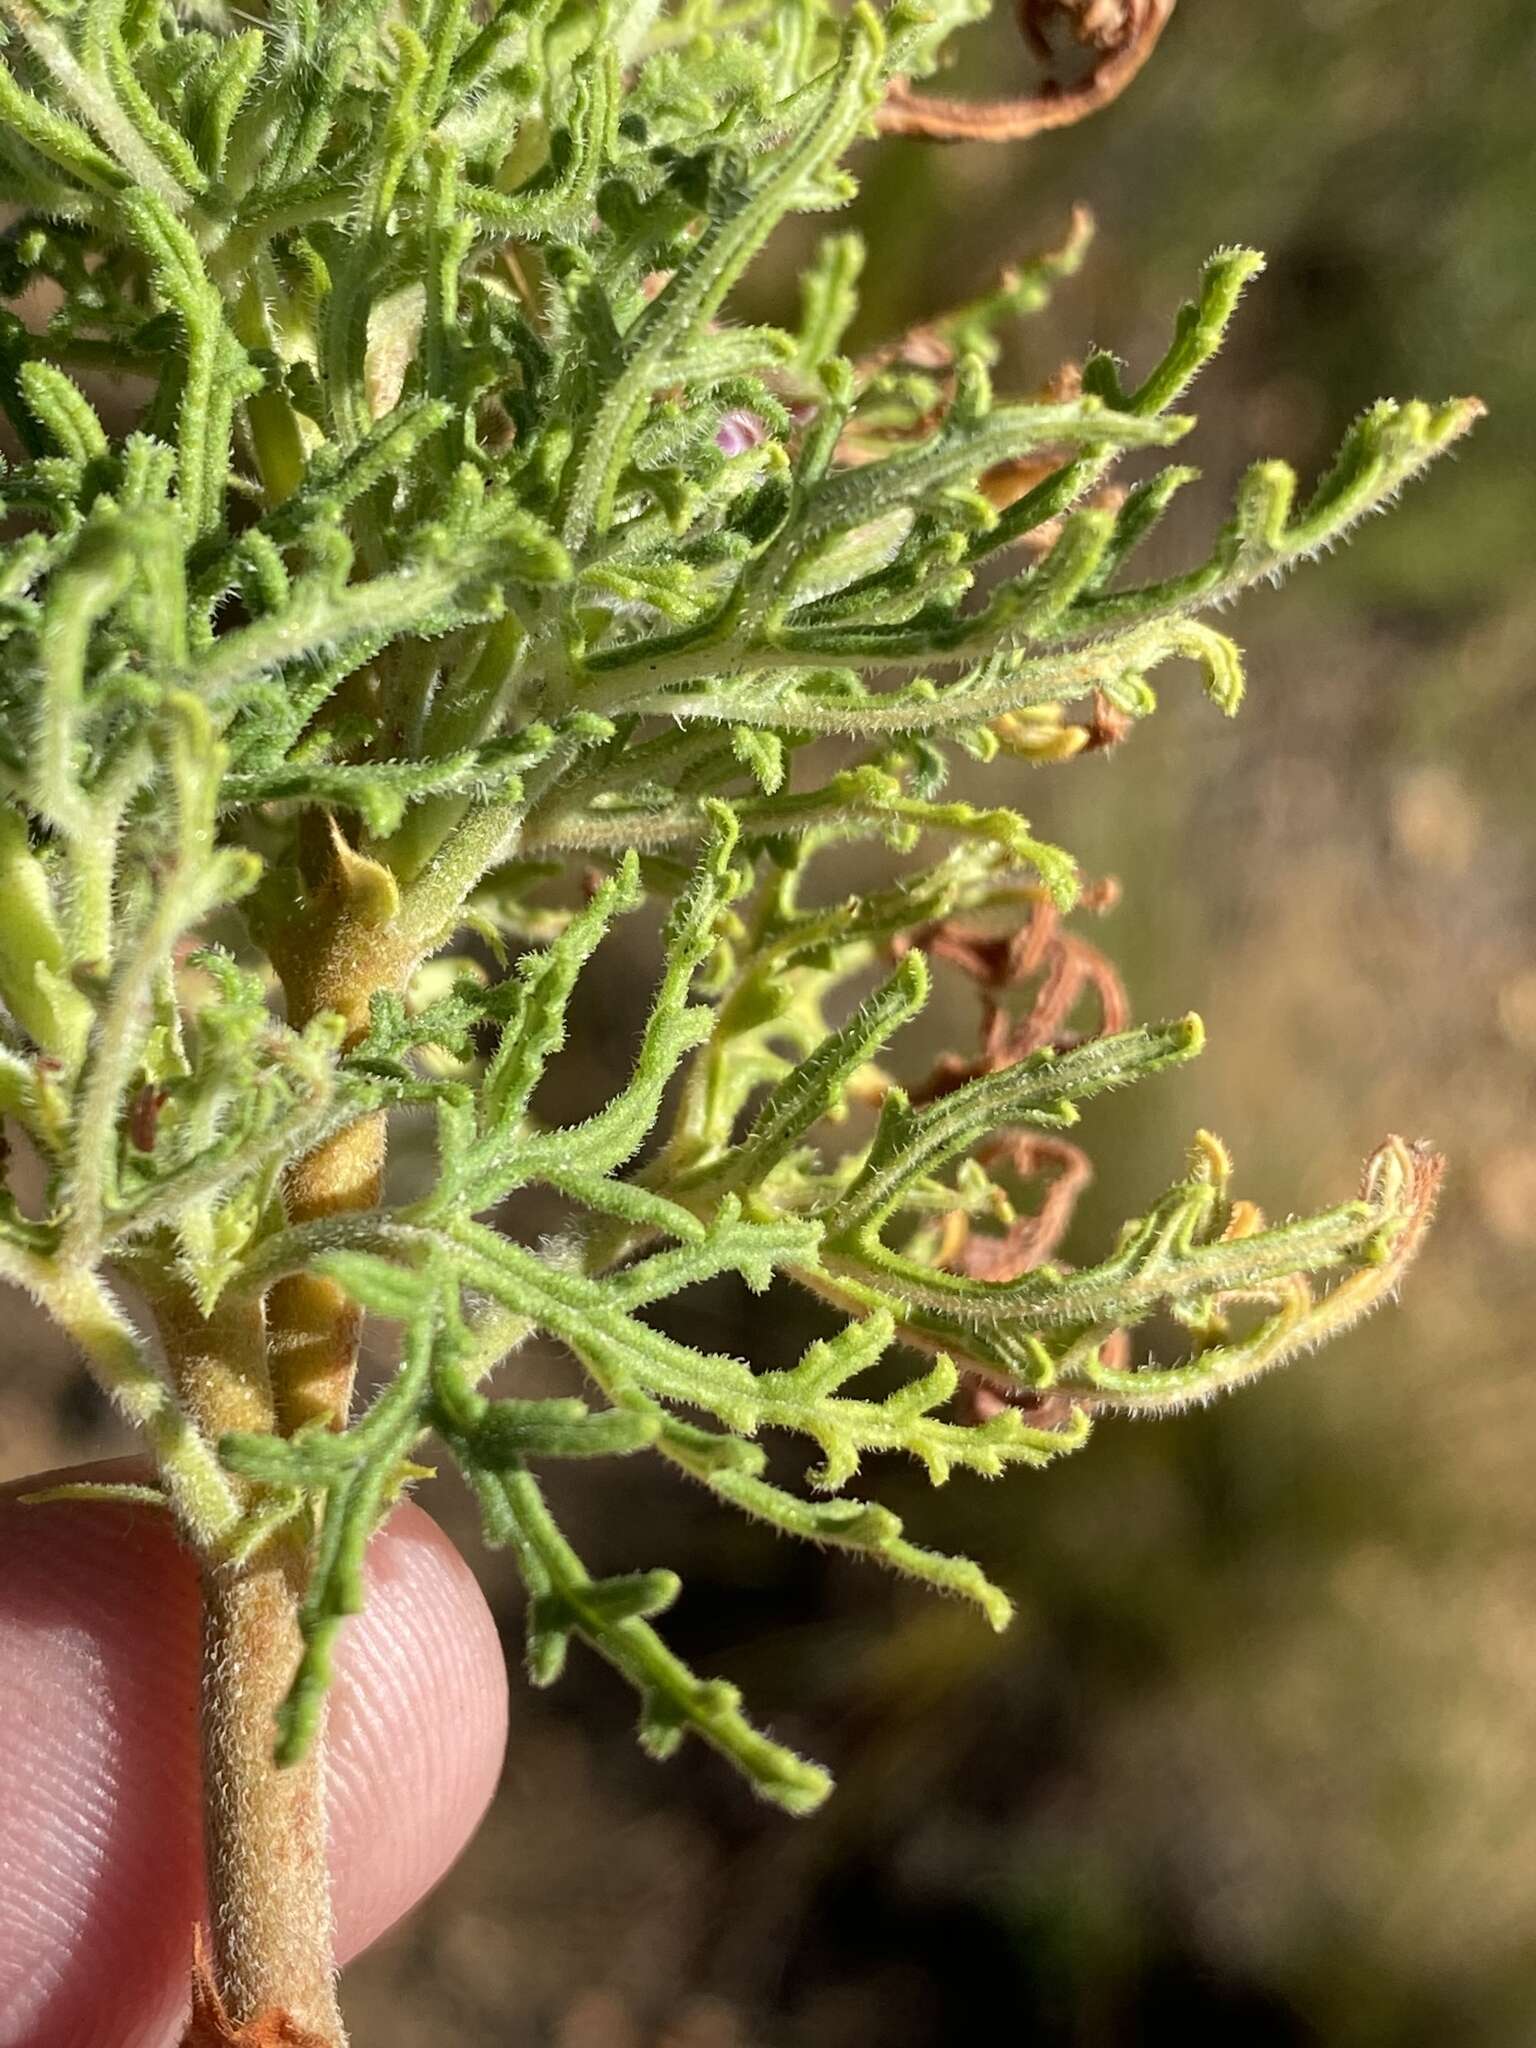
(264, 1827)
(315, 1325)
(268, 1889)
(354, 953)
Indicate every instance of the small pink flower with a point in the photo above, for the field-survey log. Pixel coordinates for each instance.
(740, 430)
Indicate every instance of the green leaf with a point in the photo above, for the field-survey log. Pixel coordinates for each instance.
(565, 1600)
(1041, 1092)
(818, 1086)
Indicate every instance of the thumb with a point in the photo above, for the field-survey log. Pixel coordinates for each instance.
(101, 1867)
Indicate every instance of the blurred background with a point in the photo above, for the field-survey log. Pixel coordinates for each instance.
(1256, 1762)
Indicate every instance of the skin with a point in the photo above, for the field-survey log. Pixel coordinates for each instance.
(100, 1819)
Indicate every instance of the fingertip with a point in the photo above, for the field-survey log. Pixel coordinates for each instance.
(99, 1771)
(100, 1828)
(418, 1728)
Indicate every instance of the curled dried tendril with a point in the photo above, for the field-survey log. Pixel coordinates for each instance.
(1042, 954)
(1116, 37)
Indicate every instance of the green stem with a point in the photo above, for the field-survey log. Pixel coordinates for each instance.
(81, 1304)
